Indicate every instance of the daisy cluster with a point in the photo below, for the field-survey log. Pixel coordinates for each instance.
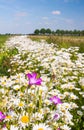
(44, 89)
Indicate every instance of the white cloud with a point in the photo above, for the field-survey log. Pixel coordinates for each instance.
(56, 12)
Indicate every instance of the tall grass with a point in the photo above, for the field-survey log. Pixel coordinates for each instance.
(3, 39)
(5, 55)
(5, 60)
(63, 41)
(38, 38)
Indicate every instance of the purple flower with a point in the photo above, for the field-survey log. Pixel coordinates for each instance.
(56, 116)
(58, 129)
(2, 116)
(55, 100)
(33, 80)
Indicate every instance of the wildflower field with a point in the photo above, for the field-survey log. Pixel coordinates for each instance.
(41, 86)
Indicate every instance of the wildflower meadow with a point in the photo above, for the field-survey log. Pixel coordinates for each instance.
(41, 86)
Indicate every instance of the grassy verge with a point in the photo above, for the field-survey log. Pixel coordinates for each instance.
(62, 41)
(3, 39)
(38, 38)
(5, 55)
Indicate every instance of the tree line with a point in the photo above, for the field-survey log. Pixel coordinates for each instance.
(58, 32)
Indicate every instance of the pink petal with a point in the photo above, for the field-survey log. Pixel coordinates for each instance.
(38, 81)
(29, 75)
(34, 75)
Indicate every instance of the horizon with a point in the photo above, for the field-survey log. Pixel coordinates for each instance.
(33, 33)
(23, 17)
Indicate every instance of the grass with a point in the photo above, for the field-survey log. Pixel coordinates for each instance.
(38, 37)
(5, 61)
(5, 55)
(3, 39)
(62, 41)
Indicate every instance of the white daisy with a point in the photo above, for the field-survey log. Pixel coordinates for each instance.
(24, 120)
(16, 87)
(41, 126)
(37, 116)
(12, 127)
(4, 128)
(65, 127)
(21, 104)
(82, 107)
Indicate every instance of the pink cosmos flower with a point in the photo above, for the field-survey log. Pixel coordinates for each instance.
(33, 80)
(55, 100)
(2, 116)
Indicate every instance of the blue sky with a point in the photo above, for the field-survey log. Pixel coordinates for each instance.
(24, 16)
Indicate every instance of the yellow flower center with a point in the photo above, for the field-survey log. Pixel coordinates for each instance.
(21, 94)
(25, 119)
(72, 97)
(71, 87)
(8, 117)
(31, 105)
(18, 76)
(16, 89)
(16, 80)
(21, 104)
(3, 83)
(40, 129)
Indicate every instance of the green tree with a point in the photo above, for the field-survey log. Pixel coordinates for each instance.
(43, 31)
(82, 33)
(36, 31)
(53, 32)
(48, 31)
(58, 32)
